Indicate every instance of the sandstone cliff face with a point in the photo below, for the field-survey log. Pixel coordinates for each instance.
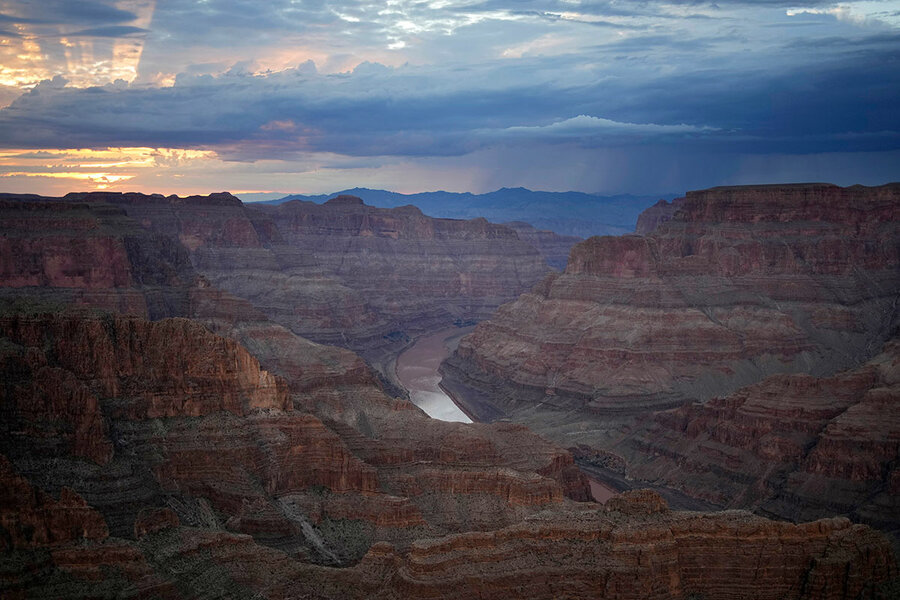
(636, 549)
(343, 273)
(136, 416)
(762, 293)
(91, 255)
(740, 284)
(656, 215)
(413, 271)
(792, 445)
(158, 459)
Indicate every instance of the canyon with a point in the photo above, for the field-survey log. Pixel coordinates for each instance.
(342, 272)
(167, 431)
(742, 352)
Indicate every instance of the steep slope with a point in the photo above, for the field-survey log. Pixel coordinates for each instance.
(343, 273)
(415, 272)
(738, 289)
(159, 459)
(739, 284)
(80, 253)
(136, 415)
(795, 446)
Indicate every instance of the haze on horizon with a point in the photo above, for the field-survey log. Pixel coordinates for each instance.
(604, 96)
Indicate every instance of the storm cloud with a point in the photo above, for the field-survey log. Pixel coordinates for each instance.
(417, 81)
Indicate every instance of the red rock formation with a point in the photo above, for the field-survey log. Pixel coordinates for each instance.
(793, 445)
(190, 443)
(641, 550)
(740, 284)
(656, 215)
(195, 421)
(32, 519)
(343, 272)
(55, 253)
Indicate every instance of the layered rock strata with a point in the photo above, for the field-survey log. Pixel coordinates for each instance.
(65, 253)
(706, 355)
(636, 548)
(740, 284)
(158, 459)
(414, 272)
(794, 446)
(138, 417)
(342, 272)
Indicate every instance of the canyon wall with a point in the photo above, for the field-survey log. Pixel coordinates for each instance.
(552, 246)
(342, 272)
(741, 283)
(223, 455)
(794, 446)
(738, 307)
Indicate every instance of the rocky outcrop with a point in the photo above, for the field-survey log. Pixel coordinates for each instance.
(64, 253)
(342, 272)
(168, 414)
(740, 284)
(229, 457)
(636, 549)
(795, 446)
(414, 272)
(656, 215)
(552, 246)
(739, 310)
(639, 549)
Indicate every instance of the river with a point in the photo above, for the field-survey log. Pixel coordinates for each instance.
(417, 371)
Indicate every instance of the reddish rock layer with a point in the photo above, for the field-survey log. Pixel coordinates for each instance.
(793, 445)
(639, 549)
(656, 215)
(170, 413)
(413, 271)
(32, 519)
(343, 272)
(741, 283)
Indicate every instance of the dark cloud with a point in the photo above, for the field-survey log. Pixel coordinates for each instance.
(697, 84)
(845, 103)
(77, 12)
(112, 31)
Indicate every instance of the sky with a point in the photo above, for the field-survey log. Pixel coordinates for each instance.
(297, 96)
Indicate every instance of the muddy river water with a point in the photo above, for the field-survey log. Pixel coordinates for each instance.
(417, 371)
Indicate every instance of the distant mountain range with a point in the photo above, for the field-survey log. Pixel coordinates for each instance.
(568, 213)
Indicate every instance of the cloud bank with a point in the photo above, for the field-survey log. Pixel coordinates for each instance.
(432, 84)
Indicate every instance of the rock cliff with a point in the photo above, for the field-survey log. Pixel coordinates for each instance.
(795, 446)
(140, 426)
(342, 272)
(414, 272)
(740, 310)
(226, 456)
(741, 283)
